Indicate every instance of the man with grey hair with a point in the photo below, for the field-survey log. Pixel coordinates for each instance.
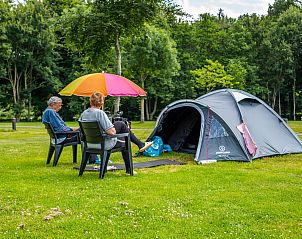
(51, 116)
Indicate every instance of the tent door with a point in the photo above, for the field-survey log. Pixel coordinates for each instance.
(183, 125)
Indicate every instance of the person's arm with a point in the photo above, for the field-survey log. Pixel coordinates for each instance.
(111, 131)
(56, 121)
(105, 123)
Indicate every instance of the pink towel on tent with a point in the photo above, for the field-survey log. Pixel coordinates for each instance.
(249, 142)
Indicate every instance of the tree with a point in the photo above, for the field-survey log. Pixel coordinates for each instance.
(32, 59)
(5, 48)
(278, 67)
(288, 29)
(101, 25)
(213, 77)
(250, 32)
(281, 6)
(152, 59)
(188, 49)
(236, 69)
(5, 51)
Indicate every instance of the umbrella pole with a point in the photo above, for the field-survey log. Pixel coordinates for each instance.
(117, 104)
(142, 109)
(84, 103)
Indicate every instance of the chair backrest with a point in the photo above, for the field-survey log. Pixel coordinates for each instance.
(92, 132)
(50, 130)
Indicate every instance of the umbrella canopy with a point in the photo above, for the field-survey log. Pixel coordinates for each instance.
(107, 84)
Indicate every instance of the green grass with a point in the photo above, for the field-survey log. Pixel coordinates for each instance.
(296, 126)
(223, 200)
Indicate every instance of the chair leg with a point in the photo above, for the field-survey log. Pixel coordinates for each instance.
(128, 161)
(85, 157)
(127, 156)
(58, 151)
(50, 153)
(104, 162)
(82, 146)
(74, 152)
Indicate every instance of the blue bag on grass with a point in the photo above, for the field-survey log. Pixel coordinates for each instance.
(167, 148)
(156, 148)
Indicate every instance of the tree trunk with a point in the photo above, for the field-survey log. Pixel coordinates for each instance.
(29, 106)
(142, 79)
(118, 56)
(142, 109)
(147, 108)
(29, 92)
(84, 103)
(268, 97)
(27, 87)
(154, 109)
(274, 96)
(279, 102)
(14, 78)
(294, 99)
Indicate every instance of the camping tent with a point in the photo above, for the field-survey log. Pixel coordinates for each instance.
(225, 124)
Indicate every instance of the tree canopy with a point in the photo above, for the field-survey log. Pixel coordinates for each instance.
(47, 44)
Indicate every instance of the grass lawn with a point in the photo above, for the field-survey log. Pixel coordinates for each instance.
(262, 199)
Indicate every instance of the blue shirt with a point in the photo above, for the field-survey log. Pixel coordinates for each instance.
(52, 117)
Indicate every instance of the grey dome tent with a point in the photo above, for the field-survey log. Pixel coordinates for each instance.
(225, 124)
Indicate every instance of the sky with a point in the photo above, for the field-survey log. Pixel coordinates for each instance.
(232, 8)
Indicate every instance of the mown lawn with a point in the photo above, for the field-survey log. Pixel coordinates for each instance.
(223, 200)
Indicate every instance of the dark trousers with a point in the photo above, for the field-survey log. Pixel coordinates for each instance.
(121, 127)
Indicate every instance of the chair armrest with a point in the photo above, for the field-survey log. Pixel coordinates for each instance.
(116, 135)
(67, 132)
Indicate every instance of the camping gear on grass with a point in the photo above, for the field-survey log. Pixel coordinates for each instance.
(156, 148)
(225, 124)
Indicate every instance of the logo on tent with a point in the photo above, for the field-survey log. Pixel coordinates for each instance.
(222, 151)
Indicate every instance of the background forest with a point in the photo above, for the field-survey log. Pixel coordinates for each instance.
(46, 44)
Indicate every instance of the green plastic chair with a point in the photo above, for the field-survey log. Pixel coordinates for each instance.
(56, 143)
(93, 141)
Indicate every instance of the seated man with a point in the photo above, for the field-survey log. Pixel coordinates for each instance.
(50, 115)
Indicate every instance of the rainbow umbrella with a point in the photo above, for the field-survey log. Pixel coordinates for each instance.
(107, 84)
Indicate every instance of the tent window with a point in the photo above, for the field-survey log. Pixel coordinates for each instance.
(216, 129)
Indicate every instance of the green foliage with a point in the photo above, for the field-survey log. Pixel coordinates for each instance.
(58, 6)
(6, 114)
(238, 72)
(213, 77)
(95, 28)
(30, 64)
(152, 60)
(5, 48)
(188, 50)
(281, 6)
(44, 45)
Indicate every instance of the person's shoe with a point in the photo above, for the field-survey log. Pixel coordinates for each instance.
(147, 145)
(111, 168)
(128, 173)
(96, 168)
